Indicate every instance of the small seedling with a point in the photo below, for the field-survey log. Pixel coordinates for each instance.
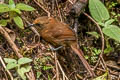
(19, 65)
(14, 12)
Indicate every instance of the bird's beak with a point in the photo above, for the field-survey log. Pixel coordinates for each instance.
(30, 25)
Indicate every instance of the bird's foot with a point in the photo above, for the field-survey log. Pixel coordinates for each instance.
(55, 49)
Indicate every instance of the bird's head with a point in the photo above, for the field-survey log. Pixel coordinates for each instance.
(40, 21)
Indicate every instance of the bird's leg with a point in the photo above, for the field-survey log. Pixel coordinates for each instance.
(55, 49)
(76, 25)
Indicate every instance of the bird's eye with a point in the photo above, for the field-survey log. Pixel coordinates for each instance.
(37, 24)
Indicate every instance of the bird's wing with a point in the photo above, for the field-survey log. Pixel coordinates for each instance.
(64, 33)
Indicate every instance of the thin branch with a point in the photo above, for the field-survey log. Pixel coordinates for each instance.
(56, 65)
(64, 75)
(102, 39)
(70, 1)
(11, 43)
(59, 11)
(111, 72)
(42, 8)
(1, 60)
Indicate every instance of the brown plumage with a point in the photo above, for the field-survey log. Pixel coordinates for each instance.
(60, 34)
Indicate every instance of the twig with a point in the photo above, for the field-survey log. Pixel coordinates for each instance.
(102, 65)
(72, 73)
(57, 71)
(58, 65)
(119, 76)
(59, 11)
(6, 76)
(102, 39)
(64, 75)
(11, 43)
(70, 1)
(1, 60)
(111, 72)
(54, 77)
(42, 8)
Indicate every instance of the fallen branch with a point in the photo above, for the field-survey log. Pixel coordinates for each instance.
(2, 62)
(11, 43)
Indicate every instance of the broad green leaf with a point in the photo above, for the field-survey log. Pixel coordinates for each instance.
(4, 8)
(95, 34)
(3, 22)
(39, 74)
(11, 4)
(103, 77)
(109, 22)
(24, 60)
(25, 7)
(16, 10)
(113, 32)
(9, 60)
(108, 50)
(21, 73)
(27, 68)
(101, 24)
(98, 10)
(18, 21)
(11, 65)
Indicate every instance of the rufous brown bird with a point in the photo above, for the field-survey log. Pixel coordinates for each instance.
(60, 34)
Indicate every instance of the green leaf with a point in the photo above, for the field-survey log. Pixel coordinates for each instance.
(4, 8)
(108, 50)
(109, 22)
(9, 60)
(3, 22)
(96, 51)
(18, 21)
(11, 65)
(101, 24)
(16, 10)
(98, 10)
(11, 4)
(27, 68)
(24, 60)
(95, 34)
(113, 32)
(39, 74)
(21, 73)
(25, 7)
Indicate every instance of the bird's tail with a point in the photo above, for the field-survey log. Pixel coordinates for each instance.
(81, 56)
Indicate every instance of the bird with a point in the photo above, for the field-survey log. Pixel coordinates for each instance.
(58, 33)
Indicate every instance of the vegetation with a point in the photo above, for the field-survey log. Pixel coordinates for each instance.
(23, 55)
